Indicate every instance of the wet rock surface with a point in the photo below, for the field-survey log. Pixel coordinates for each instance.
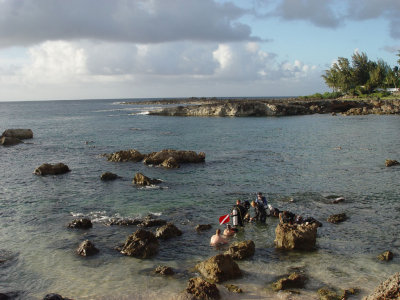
(241, 250)
(83, 223)
(49, 169)
(386, 256)
(219, 268)
(203, 227)
(388, 290)
(296, 237)
(141, 244)
(20, 134)
(108, 176)
(141, 179)
(86, 248)
(164, 270)
(391, 163)
(337, 218)
(150, 221)
(199, 289)
(10, 141)
(233, 288)
(125, 155)
(180, 156)
(168, 231)
(293, 281)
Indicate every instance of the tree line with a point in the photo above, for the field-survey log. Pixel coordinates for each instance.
(361, 75)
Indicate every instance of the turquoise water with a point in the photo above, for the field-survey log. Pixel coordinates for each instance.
(298, 162)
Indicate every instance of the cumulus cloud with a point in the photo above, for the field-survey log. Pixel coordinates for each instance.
(25, 22)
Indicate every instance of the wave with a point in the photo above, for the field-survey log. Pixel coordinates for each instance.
(105, 218)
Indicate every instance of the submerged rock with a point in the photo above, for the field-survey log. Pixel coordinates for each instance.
(149, 221)
(125, 155)
(233, 288)
(87, 248)
(54, 297)
(391, 162)
(293, 281)
(141, 244)
(140, 179)
(338, 218)
(203, 227)
(164, 270)
(180, 156)
(328, 294)
(219, 268)
(10, 141)
(386, 256)
(168, 231)
(199, 289)
(21, 134)
(49, 169)
(107, 176)
(296, 237)
(241, 250)
(83, 223)
(123, 222)
(387, 290)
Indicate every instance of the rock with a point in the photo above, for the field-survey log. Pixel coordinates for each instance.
(170, 163)
(349, 292)
(296, 237)
(387, 290)
(157, 158)
(83, 223)
(123, 222)
(338, 218)
(140, 179)
(167, 231)
(48, 169)
(10, 141)
(125, 155)
(241, 250)
(391, 162)
(233, 288)
(108, 176)
(293, 281)
(386, 256)
(203, 227)
(201, 289)
(219, 268)
(4, 296)
(150, 222)
(21, 134)
(328, 294)
(164, 270)
(141, 244)
(54, 297)
(87, 248)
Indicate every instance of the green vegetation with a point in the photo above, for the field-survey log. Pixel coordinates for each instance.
(360, 78)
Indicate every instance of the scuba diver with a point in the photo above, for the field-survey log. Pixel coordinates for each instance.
(238, 213)
(260, 213)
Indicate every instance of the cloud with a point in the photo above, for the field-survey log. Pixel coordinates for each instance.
(24, 22)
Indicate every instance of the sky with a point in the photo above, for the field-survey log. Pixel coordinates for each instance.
(118, 49)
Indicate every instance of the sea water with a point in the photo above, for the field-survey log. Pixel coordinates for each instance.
(300, 163)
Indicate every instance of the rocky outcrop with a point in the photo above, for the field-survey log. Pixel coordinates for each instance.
(199, 289)
(141, 244)
(108, 176)
(150, 221)
(125, 155)
(141, 179)
(20, 134)
(55, 297)
(386, 256)
(168, 231)
(296, 237)
(10, 141)
(164, 270)
(170, 163)
(49, 169)
(219, 268)
(241, 250)
(180, 156)
(389, 289)
(203, 227)
(293, 281)
(86, 248)
(337, 218)
(391, 162)
(123, 222)
(83, 223)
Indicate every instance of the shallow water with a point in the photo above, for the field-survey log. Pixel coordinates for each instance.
(298, 162)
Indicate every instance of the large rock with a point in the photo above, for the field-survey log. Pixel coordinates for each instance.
(150, 221)
(49, 169)
(21, 134)
(241, 250)
(387, 290)
(141, 179)
(141, 244)
(83, 223)
(10, 141)
(107, 176)
(167, 231)
(338, 218)
(200, 289)
(87, 248)
(293, 281)
(180, 156)
(125, 155)
(296, 237)
(219, 268)
(391, 162)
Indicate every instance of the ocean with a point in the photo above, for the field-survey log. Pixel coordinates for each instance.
(299, 162)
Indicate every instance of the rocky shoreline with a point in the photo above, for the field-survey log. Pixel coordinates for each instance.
(205, 107)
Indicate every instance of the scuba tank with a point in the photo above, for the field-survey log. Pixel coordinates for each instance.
(235, 216)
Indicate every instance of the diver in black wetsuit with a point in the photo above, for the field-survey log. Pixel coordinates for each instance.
(238, 213)
(260, 213)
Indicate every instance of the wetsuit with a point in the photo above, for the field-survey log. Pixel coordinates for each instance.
(260, 213)
(241, 212)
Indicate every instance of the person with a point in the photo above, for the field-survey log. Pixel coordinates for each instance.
(217, 239)
(238, 213)
(229, 231)
(287, 217)
(261, 199)
(259, 212)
